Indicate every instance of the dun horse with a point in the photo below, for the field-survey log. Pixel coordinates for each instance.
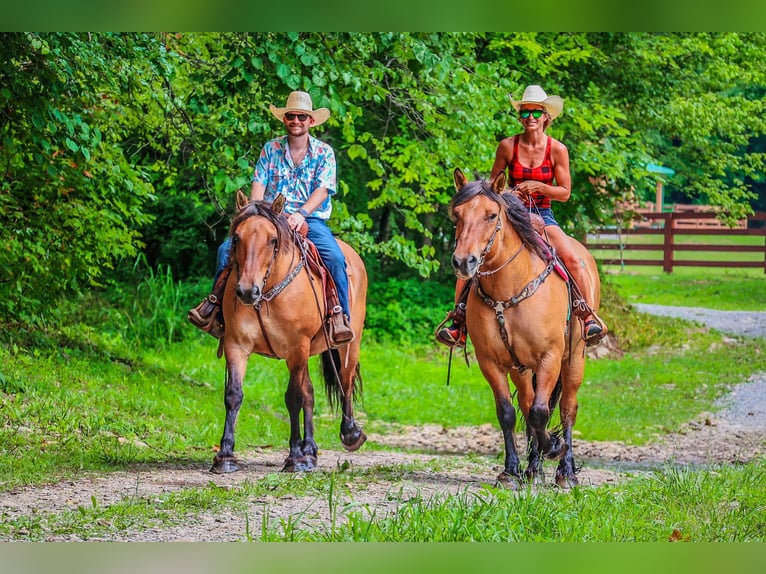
(518, 317)
(274, 305)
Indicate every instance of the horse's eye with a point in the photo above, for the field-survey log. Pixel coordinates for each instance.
(492, 217)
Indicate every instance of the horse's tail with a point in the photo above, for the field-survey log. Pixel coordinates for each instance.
(330, 373)
(555, 395)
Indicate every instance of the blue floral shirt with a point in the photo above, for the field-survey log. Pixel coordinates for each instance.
(275, 170)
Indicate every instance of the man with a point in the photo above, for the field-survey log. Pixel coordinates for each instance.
(302, 169)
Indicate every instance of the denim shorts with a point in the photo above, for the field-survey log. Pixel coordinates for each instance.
(547, 215)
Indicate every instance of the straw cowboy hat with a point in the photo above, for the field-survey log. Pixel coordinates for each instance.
(300, 102)
(537, 96)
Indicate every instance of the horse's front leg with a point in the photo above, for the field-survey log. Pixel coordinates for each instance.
(506, 416)
(299, 397)
(225, 461)
(550, 444)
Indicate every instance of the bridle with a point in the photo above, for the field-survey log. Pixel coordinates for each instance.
(273, 291)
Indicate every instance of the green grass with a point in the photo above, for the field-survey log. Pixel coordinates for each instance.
(66, 410)
(715, 504)
(713, 288)
(718, 505)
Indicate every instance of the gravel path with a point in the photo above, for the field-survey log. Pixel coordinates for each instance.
(745, 406)
(742, 323)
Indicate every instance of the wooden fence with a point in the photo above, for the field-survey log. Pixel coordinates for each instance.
(671, 225)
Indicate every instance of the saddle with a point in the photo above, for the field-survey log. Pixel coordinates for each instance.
(316, 264)
(577, 302)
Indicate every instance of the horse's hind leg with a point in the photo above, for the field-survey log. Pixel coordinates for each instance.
(225, 461)
(300, 397)
(534, 471)
(566, 471)
(351, 435)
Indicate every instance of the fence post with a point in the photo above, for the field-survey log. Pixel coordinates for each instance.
(667, 255)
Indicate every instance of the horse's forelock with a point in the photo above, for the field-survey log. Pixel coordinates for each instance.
(471, 190)
(263, 209)
(517, 212)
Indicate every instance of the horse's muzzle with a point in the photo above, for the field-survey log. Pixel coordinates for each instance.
(249, 296)
(465, 267)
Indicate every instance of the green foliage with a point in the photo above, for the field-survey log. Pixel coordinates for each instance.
(120, 144)
(406, 311)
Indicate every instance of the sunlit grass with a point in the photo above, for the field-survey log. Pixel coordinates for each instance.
(713, 504)
(713, 288)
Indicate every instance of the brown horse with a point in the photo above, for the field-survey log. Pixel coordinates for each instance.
(274, 305)
(518, 317)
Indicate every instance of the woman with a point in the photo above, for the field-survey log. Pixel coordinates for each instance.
(538, 172)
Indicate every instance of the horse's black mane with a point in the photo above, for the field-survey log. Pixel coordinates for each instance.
(517, 212)
(263, 208)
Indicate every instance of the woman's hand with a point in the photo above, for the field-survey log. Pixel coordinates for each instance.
(527, 188)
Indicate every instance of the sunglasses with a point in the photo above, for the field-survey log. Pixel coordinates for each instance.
(301, 117)
(537, 114)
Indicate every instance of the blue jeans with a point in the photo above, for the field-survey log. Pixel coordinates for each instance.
(329, 250)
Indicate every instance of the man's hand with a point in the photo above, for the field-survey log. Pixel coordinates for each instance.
(295, 220)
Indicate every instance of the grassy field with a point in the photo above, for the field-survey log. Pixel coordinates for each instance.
(81, 399)
(714, 288)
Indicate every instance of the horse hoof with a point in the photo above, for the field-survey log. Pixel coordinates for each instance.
(508, 481)
(300, 464)
(566, 482)
(558, 452)
(352, 446)
(534, 477)
(224, 465)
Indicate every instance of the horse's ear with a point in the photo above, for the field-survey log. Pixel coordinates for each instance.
(460, 179)
(498, 184)
(241, 200)
(278, 205)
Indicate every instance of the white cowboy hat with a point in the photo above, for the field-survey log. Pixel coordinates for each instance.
(300, 102)
(537, 96)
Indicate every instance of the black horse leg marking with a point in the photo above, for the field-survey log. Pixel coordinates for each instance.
(565, 472)
(351, 435)
(550, 444)
(534, 471)
(225, 461)
(309, 445)
(506, 416)
(303, 450)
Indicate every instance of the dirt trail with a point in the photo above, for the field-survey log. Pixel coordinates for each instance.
(736, 433)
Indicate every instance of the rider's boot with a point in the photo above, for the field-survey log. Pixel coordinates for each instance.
(208, 315)
(453, 335)
(340, 329)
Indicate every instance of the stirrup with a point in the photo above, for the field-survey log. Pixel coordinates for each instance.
(341, 332)
(594, 330)
(205, 316)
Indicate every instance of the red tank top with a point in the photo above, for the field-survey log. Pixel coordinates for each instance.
(543, 172)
